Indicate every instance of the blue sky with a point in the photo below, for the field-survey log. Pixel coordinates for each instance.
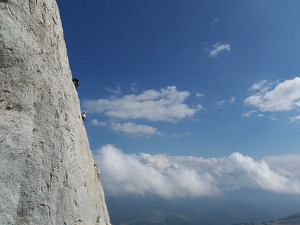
(150, 45)
(188, 78)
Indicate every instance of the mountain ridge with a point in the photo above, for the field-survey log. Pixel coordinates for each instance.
(293, 219)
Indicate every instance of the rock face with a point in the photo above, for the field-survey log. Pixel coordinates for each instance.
(47, 174)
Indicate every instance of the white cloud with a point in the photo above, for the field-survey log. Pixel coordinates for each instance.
(287, 165)
(97, 123)
(200, 107)
(295, 118)
(248, 114)
(127, 174)
(133, 86)
(251, 112)
(199, 95)
(221, 102)
(284, 97)
(258, 86)
(135, 129)
(215, 20)
(128, 128)
(261, 174)
(273, 117)
(232, 100)
(164, 105)
(179, 176)
(217, 48)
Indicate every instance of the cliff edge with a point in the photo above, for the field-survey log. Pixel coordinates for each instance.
(47, 173)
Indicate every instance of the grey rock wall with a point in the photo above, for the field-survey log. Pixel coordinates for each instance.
(47, 174)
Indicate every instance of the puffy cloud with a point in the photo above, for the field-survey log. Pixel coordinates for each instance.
(261, 174)
(179, 176)
(135, 129)
(164, 105)
(284, 97)
(217, 48)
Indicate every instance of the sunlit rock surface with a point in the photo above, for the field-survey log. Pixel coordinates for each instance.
(47, 174)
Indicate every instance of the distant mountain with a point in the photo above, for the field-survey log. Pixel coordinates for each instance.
(289, 220)
(164, 217)
(247, 206)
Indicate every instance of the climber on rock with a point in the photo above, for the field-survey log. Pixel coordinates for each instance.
(83, 116)
(76, 82)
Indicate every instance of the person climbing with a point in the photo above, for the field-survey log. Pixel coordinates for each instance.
(83, 116)
(76, 82)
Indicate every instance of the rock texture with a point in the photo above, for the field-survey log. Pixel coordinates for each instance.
(47, 174)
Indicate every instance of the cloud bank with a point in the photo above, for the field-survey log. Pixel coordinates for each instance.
(180, 176)
(146, 174)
